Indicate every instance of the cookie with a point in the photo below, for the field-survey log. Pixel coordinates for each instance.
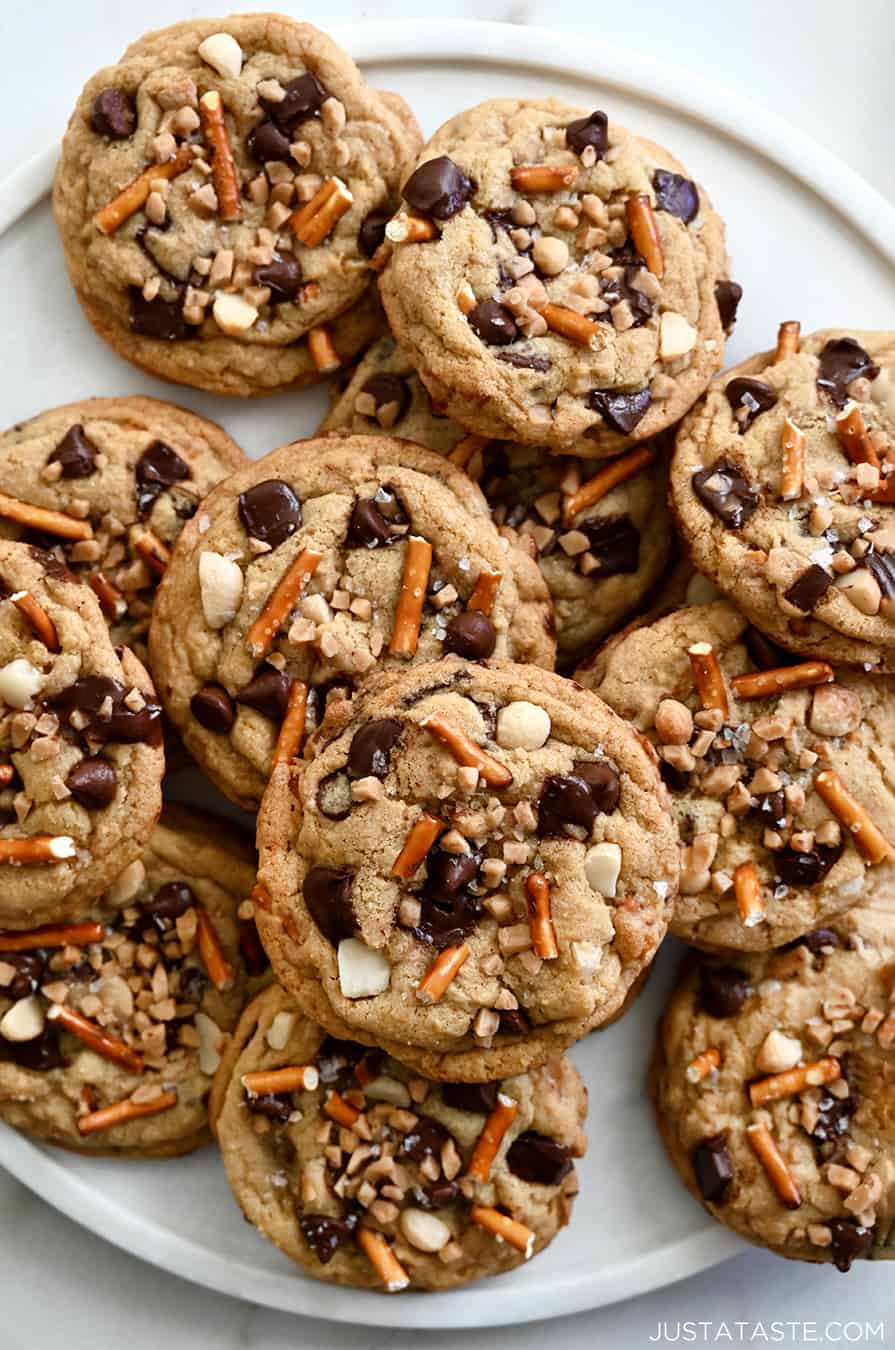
(779, 773)
(112, 1027)
(472, 868)
(366, 1175)
(599, 561)
(773, 1085)
(323, 563)
(556, 279)
(81, 757)
(783, 489)
(106, 485)
(220, 193)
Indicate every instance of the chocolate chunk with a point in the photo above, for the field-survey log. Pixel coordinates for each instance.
(471, 635)
(834, 1115)
(266, 142)
(424, 1140)
(277, 1106)
(713, 1166)
(614, 289)
(841, 361)
(818, 941)
(809, 588)
(449, 909)
(96, 694)
(213, 708)
(270, 511)
(113, 114)
(722, 990)
(592, 130)
(725, 491)
(305, 96)
(75, 453)
(565, 799)
(881, 567)
(371, 234)
(439, 188)
(334, 796)
(480, 1098)
(368, 527)
(40, 1055)
(327, 895)
(727, 297)
(267, 693)
(493, 323)
(385, 391)
(158, 318)
(619, 410)
(615, 543)
(283, 276)
(749, 399)
(676, 195)
(525, 360)
(540, 1161)
(436, 1196)
(603, 783)
(254, 957)
(805, 869)
(371, 748)
(29, 973)
(336, 1060)
(326, 1235)
(92, 783)
(514, 1022)
(770, 807)
(170, 901)
(158, 469)
(851, 1242)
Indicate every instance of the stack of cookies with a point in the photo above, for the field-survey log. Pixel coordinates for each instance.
(466, 861)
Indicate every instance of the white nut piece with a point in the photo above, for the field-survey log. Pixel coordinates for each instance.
(24, 1021)
(223, 53)
(676, 336)
(386, 1089)
(586, 955)
(363, 972)
(126, 884)
(424, 1231)
(778, 1052)
(220, 588)
(522, 726)
(673, 722)
(233, 314)
(20, 683)
(602, 864)
(280, 1030)
(210, 1037)
(835, 710)
(550, 256)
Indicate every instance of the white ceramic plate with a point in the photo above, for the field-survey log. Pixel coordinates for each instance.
(810, 240)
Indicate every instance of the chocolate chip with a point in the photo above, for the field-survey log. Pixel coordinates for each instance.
(254, 957)
(158, 318)
(722, 990)
(725, 491)
(304, 98)
(371, 234)
(834, 1115)
(525, 360)
(158, 469)
(371, 748)
(615, 543)
(713, 1166)
(493, 323)
(387, 391)
(267, 693)
(592, 130)
(540, 1161)
(29, 973)
(676, 195)
(565, 799)
(805, 869)
(282, 276)
(276, 1106)
(368, 527)
(75, 453)
(851, 1242)
(727, 297)
(881, 567)
(424, 1140)
(326, 1235)
(334, 798)
(40, 1055)
(92, 783)
(98, 693)
(266, 142)
(471, 635)
(480, 1098)
(327, 895)
(619, 410)
(438, 188)
(818, 941)
(749, 399)
(514, 1022)
(809, 588)
(113, 114)
(170, 901)
(449, 909)
(770, 807)
(270, 511)
(841, 361)
(213, 708)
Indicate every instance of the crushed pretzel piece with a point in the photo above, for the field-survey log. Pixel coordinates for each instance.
(793, 1081)
(466, 752)
(787, 339)
(441, 973)
(293, 1078)
(502, 1226)
(540, 919)
(766, 1150)
(604, 480)
(317, 219)
(134, 195)
(543, 177)
(707, 677)
(121, 1112)
(93, 1036)
(45, 521)
(35, 614)
(767, 683)
(409, 610)
(292, 729)
(223, 165)
(422, 836)
(645, 233)
(868, 839)
(792, 481)
(281, 602)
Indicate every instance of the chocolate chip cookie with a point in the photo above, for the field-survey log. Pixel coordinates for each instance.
(366, 1175)
(773, 1083)
(472, 868)
(81, 757)
(220, 193)
(557, 279)
(779, 771)
(601, 536)
(323, 563)
(784, 490)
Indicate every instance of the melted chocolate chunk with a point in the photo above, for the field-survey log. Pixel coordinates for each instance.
(749, 399)
(841, 361)
(591, 130)
(386, 390)
(113, 114)
(834, 1115)
(336, 1059)
(371, 748)
(818, 941)
(40, 1055)
(479, 1098)
(96, 692)
(283, 276)
(170, 901)
(881, 567)
(158, 318)
(727, 297)
(525, 360)
(327, 895)
(619, 410)
(615, 543)
(158, 469)
(603, 783)
(436, 1196)
(267, 693)
(809, 589)
(449, 909)
(276, 1106)
(29, 973)
(514, 1022)
(805, 869)
(722, 990)
(676, 195)
(368, 527)
(439, 188)
(471, 635)
(493, 323)
(213, 708)
(92, 783)
(75, 453)
(770, 807)
(615, 289)
(371, 234)
(53, 566)
(305, 96)
(424, 1140)
(334, 798)
(540, 1161)
(270, 511)
(266, 142)
(325, 1235)
(565, 799)
(725, 491)
(851, 1242)
(713, 1167)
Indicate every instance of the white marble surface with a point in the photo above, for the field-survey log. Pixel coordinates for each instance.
(827, 68)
